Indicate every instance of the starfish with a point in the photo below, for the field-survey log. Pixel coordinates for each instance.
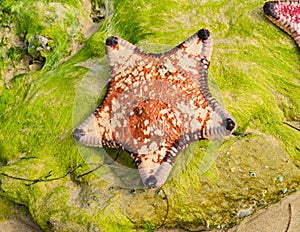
(286, 15)
(156, 104)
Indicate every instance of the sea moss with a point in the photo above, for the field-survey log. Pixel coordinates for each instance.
(258, 81)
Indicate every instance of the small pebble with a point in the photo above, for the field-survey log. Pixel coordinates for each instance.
(132, 191)
(261, 203)
(253, 174)
(280, 178)
(158, 192)
(228, 156)
(244, 213)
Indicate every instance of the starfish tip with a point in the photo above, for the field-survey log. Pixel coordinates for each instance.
(151, 182)
(269, 9)
(286, 15)
(203, 34)
(111, 41)
(78, 133)
(230, 124)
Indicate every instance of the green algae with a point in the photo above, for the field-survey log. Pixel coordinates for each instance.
(258, 78)
(9, 209)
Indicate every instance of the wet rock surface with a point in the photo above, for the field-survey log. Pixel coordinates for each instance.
(213, 184)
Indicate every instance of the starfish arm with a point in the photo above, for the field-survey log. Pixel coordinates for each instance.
(217, 124)
(214, 121)
(219, 127)
(197, 46)
(94, 130)
(155, 167)
(99, 128)
(121, 55)
(189, 56)
(160, 176)
(286, 15)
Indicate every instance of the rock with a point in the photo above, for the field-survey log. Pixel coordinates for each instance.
(48, 33)
(255, 76)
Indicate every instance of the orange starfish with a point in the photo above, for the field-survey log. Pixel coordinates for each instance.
(156, 104)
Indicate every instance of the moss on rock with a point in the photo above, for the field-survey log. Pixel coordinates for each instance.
(212, 184)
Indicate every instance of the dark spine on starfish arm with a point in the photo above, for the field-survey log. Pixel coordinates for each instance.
(111, 41)
(160, 177)
(203, 34)
(78, 133)
(230, 124)
(203, 82)
(269, 9)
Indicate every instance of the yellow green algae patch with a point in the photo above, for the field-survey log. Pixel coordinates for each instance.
(9, 210)
(216, 184)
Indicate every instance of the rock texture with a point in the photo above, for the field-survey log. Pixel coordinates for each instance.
(254, 72)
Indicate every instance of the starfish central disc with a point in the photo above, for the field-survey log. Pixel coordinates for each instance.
(153, 119)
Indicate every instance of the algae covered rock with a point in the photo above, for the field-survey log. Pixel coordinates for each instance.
(254, 72)
(36, 34)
